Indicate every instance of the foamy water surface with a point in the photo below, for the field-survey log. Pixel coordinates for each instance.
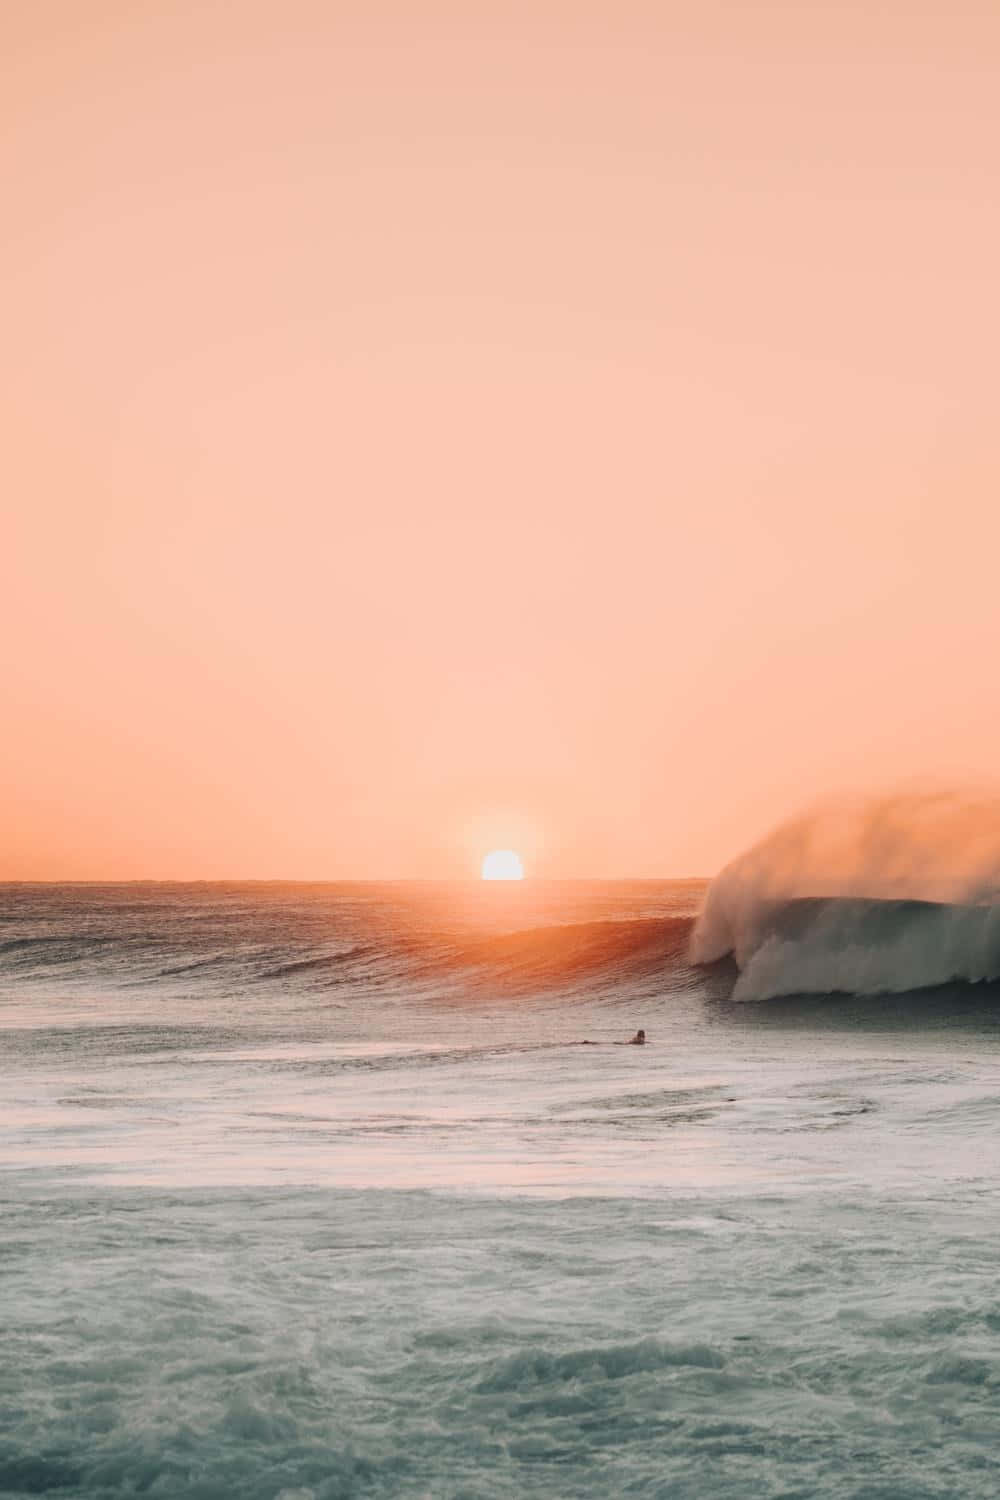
(316, 1192)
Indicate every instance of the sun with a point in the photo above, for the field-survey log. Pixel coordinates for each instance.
(502, 864)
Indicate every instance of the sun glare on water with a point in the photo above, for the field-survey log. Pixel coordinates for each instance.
(502, 864)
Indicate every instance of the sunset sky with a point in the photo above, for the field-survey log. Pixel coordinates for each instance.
(436, 426)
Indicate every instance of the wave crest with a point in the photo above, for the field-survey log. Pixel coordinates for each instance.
(562, 955)
(862, 899)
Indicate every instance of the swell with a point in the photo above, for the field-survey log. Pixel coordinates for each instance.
(397, 952)
(318, 963)
(565, 956)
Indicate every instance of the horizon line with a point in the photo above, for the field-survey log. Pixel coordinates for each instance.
(351, 880)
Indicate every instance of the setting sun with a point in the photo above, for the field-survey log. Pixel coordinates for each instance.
(502, 864)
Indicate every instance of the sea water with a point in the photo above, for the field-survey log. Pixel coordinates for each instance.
(315, 1192)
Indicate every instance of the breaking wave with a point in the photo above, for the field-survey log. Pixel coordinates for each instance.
(842, 946)
(896, 896)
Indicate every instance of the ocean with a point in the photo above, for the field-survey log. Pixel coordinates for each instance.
(314, 1192)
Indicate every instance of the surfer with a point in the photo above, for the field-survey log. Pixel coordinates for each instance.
(639, 1040)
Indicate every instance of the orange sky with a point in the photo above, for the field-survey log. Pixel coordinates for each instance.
(436, 425)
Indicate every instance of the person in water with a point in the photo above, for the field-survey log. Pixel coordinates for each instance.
(639, 1040)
